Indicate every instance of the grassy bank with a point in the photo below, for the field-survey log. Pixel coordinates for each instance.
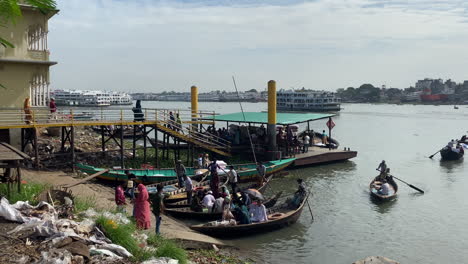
(28, 192)
(121, 234)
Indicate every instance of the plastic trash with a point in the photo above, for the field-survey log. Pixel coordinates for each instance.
(119, 250)
(161, 261)
(95, 251)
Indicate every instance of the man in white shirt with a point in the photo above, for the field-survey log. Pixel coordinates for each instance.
(200, 161)
(188, 189)
(384, 188)
(232, 174)
(258, 212)
(306, 143)
(208, 200)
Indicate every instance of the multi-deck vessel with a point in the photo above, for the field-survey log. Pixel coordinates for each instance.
(90, 98)
(307, 101)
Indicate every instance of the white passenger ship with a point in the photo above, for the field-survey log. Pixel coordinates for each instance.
(307, 101)
(90, 98)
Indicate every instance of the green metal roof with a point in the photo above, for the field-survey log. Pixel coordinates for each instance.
(262, 117)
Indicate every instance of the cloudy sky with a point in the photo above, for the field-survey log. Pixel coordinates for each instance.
(151, 46)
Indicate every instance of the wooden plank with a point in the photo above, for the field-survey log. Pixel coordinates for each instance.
(17, 151)
(86, 179)
(8, 154)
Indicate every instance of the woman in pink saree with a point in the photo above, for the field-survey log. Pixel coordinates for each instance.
(142, 208)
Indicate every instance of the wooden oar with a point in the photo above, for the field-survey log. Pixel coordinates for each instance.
(434, 154)
(308, 204)
(410, 185)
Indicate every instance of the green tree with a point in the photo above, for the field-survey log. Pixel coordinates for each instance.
(10, 11)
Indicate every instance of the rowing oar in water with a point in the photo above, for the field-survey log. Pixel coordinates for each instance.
(410, 185)
(434, 154)
(307, 200)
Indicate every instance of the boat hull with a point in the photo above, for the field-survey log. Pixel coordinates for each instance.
(254, 228)
(448, 154)
(381, 197)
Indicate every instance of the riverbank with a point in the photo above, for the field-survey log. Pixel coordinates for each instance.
(101, 197)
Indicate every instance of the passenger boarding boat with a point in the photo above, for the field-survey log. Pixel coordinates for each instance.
(278, 217)
(392, 190)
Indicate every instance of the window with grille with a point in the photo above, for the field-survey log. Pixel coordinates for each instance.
(39, 91)
(37, 38)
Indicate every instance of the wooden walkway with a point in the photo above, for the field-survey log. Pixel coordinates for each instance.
(161, 119)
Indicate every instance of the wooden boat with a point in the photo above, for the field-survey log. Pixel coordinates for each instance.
(181, 195)
(178, 200)
(186, 212)
(246, 172)
(279, 216)
(392, 192)
(145, 176)
(448, 154)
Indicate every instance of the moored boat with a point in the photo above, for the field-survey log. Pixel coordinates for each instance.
(182, 195)
(146, 176)
(448, 153)
(187, 213)
(392, 190)
(246, 172)
(278, 217)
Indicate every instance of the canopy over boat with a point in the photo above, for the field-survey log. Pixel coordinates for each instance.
(262, 117)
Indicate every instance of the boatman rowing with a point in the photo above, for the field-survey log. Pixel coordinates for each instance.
(383, 169)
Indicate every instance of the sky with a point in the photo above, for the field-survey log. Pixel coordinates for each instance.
(155, 46)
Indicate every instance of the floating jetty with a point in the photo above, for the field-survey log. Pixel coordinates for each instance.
(317, 156)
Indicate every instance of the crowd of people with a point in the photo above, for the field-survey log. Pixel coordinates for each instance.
(143, 203)
(287, 138)
(455, 145)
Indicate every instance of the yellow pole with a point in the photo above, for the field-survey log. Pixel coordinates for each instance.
(194, 94)
(272, 102)
(271, 128)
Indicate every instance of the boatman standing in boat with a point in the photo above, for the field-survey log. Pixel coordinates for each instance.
(180, 172)
(261, 169)
(188, 188)
(383, 169)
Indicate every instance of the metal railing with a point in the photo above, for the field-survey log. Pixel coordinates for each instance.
(41, 117)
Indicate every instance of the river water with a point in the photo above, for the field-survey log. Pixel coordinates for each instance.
(414, 228)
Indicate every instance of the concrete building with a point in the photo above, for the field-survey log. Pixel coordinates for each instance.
(24, 69)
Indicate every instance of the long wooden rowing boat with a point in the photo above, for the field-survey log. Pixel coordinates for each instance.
(145, 176)
(448, 154)
(181, 195)
(392, 192)
(279, 217)
(246, 172)
(187, 213)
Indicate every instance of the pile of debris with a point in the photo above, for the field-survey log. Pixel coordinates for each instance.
(59, 241)
(86, 141)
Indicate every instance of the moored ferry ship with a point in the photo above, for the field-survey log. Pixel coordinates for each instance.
(90, 98)
(307, 101)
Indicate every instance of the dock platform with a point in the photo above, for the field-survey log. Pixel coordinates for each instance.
(317, 156)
